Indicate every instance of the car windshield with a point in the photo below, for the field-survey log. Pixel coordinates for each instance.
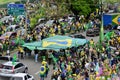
(4, 58)
(16, 78)
(6, 34)
(7, 67)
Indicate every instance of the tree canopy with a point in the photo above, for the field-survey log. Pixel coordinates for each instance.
(82, 7)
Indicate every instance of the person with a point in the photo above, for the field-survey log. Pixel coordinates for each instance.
(92, 43)
(36, 54)
(18, 54)
(21, 52)
(42, 72)
(47, 70)
(0, 54)
(44, 63)
(86, 75)
(25, 50)
(8, 52)
(50, 57)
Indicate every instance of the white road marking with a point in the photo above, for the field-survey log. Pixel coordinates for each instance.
(37, 73)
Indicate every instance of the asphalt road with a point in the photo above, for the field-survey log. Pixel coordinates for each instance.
(33, 67)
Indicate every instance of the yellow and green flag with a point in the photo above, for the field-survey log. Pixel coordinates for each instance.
(113, 19)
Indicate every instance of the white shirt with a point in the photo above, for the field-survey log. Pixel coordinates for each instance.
(8, 51)
(87, 65)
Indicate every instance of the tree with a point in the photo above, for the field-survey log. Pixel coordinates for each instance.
(80, 7)
(112, 1)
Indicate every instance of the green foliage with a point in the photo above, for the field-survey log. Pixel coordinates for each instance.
(33, 22)
(112, 1)
(82, 7)
(7, 1)
(39, 14)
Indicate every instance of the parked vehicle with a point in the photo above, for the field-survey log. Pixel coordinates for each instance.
(22, 76)
(9, 35)
(93, 32)
(118, 28)
(6, 19)
(12, 27)
(9, 68)
(4, 59)
(16, 28)
(77, 36)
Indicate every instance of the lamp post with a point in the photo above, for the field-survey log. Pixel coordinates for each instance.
(101, 9)
(26, 14)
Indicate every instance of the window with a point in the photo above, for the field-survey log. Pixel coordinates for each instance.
(16, 78)
(4, 58)
(28, 76)
(19, 65)
(25, 77)
(10, 59)
(17, 27)
(7, 67)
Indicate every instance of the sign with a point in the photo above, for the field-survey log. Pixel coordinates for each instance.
(16, 9)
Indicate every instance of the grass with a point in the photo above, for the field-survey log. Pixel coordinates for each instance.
(7, 1)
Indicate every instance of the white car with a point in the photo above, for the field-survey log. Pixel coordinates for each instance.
(4, 59)
(49, 23)
(6, 19)
(12, 28)
(118, 27)
(9, 69)
(22, 76)
(9, 35)
(16, 28)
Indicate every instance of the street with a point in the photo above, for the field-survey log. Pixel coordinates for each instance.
(36, 32)
(33, 67)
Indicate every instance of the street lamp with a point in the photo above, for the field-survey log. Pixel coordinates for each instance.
(26, 17)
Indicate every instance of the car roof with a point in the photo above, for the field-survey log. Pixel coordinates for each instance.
(10, 63)
(2, 38)
(12, 26)
(19, 75)
(7, 34)
(76, 35)
(5, 56)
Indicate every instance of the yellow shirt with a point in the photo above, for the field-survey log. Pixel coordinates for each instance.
(82, 53)
(91, 42)
(91, 77)
(44, 63)
(21, 50)
(68, 68)
(97, 78)
(78, 77)
(118, 39)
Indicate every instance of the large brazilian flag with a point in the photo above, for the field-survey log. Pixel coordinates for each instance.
(56, 43)
(62, 42)
(113, 19)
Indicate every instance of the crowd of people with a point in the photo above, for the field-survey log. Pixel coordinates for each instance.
(91, 61)
(85, 62)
